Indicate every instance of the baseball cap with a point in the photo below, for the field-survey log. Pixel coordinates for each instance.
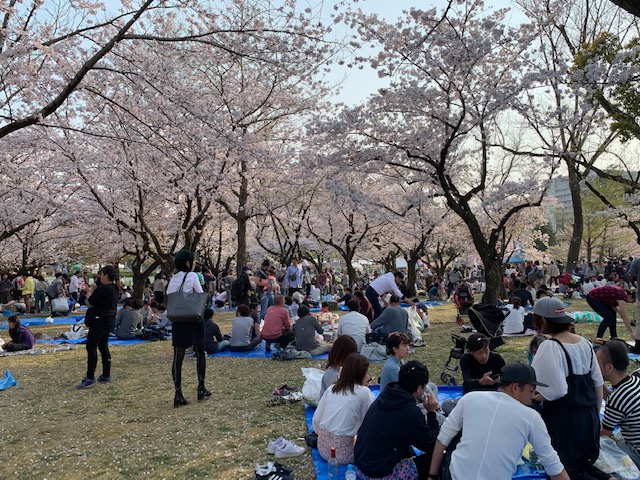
(394, 299)
(520, 373)
(551, 309)
(477, 341)
(246, 268)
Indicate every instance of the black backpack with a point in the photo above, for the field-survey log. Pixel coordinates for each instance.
(238, 287)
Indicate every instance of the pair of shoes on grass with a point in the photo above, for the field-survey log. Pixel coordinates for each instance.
(90, 382)
(283, 448)
(273, 471)
(285, 399)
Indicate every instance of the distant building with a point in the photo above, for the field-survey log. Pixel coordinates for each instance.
(562, 212)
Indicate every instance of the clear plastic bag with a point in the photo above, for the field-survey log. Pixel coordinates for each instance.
(613, 460)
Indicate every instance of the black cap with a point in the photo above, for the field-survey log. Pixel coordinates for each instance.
(520, 373)
(477, 341)
(111, 272)
(394, 299)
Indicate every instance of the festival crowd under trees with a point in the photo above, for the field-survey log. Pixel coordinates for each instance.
(130, 133)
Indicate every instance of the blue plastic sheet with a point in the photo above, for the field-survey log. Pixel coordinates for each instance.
(258, 352)
(524, 472)
(81, 341)
(33, 321)
(8, 381)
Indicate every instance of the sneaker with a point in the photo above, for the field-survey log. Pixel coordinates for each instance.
(289, 449)
(273, 471)
(273, 446)
(103, 379)
(86, 383)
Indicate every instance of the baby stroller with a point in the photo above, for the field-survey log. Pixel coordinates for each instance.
(452, 365)
(464, 300)
(488, 319)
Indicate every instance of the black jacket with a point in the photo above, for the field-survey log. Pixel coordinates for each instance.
(212, 336)
(391, 426)
(103, 305)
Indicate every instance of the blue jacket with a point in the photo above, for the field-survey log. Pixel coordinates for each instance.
(392, 425)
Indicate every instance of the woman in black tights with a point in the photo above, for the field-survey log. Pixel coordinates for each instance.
(185, 335)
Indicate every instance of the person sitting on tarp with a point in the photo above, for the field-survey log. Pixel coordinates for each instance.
(394, 318)
(21, 336)
(623, 405)
(305, 330)
(393, 424)
(245, 332)
(496, 427)
(129, 321)
(480, 366)
(213, 339)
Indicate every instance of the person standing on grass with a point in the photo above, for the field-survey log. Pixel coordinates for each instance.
(387, 283)
(100, 318)
(607, 301)
(185, 335)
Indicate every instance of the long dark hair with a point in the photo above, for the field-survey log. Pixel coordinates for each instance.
(353, 371)
(15, 319)
(342, 348)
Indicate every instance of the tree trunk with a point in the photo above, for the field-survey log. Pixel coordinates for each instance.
(411, 276)
(242, 242)
(493, 278)
(578, 219)
(351, 272)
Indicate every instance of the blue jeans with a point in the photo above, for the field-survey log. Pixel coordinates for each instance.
(265, 302)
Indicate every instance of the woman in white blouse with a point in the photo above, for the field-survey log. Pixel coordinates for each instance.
(342, 409)
(185, 335)
(568, 365)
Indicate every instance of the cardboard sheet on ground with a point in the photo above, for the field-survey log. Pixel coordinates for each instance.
(259, 352)
(33, 321)
(524, 472)
(113, 341)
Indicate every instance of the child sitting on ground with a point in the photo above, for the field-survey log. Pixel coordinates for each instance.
(398, 350)
(324, 307)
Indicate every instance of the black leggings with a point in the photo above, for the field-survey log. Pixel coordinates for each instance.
(178, 358)
(97, 340)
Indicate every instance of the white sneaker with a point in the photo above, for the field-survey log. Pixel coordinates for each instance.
(289, 449)
(273, 446)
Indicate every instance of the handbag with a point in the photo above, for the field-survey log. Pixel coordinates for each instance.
(60, 305)
(183, 307)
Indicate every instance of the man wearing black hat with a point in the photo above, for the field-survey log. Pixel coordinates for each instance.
(480, 366)
(496, 427)
(394, 318)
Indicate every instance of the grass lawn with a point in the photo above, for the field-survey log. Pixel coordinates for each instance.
(129, 428)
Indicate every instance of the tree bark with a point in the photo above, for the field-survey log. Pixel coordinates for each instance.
(411, 276)
(578, 219)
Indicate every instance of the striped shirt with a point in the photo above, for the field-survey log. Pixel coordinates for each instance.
(623, 409)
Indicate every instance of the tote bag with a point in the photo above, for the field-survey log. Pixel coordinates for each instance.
(185, 307)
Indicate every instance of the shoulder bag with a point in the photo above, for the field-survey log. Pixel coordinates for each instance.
(185, 307)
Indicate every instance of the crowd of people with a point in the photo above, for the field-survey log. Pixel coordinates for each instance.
(552, 402)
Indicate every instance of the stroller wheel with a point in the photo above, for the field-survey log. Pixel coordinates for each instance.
(448, 379)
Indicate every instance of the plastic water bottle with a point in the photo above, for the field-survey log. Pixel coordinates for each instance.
(334, 468)
(533, 460)
(351, 473)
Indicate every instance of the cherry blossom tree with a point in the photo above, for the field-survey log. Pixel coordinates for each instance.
(454, 76)
(562, 122)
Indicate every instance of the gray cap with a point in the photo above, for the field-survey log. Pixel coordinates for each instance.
(520, 373)
(551, 309)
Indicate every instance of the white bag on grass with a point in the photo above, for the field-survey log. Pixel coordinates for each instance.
(312, 385)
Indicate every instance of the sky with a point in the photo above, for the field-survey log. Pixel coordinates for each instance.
(357, 84)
